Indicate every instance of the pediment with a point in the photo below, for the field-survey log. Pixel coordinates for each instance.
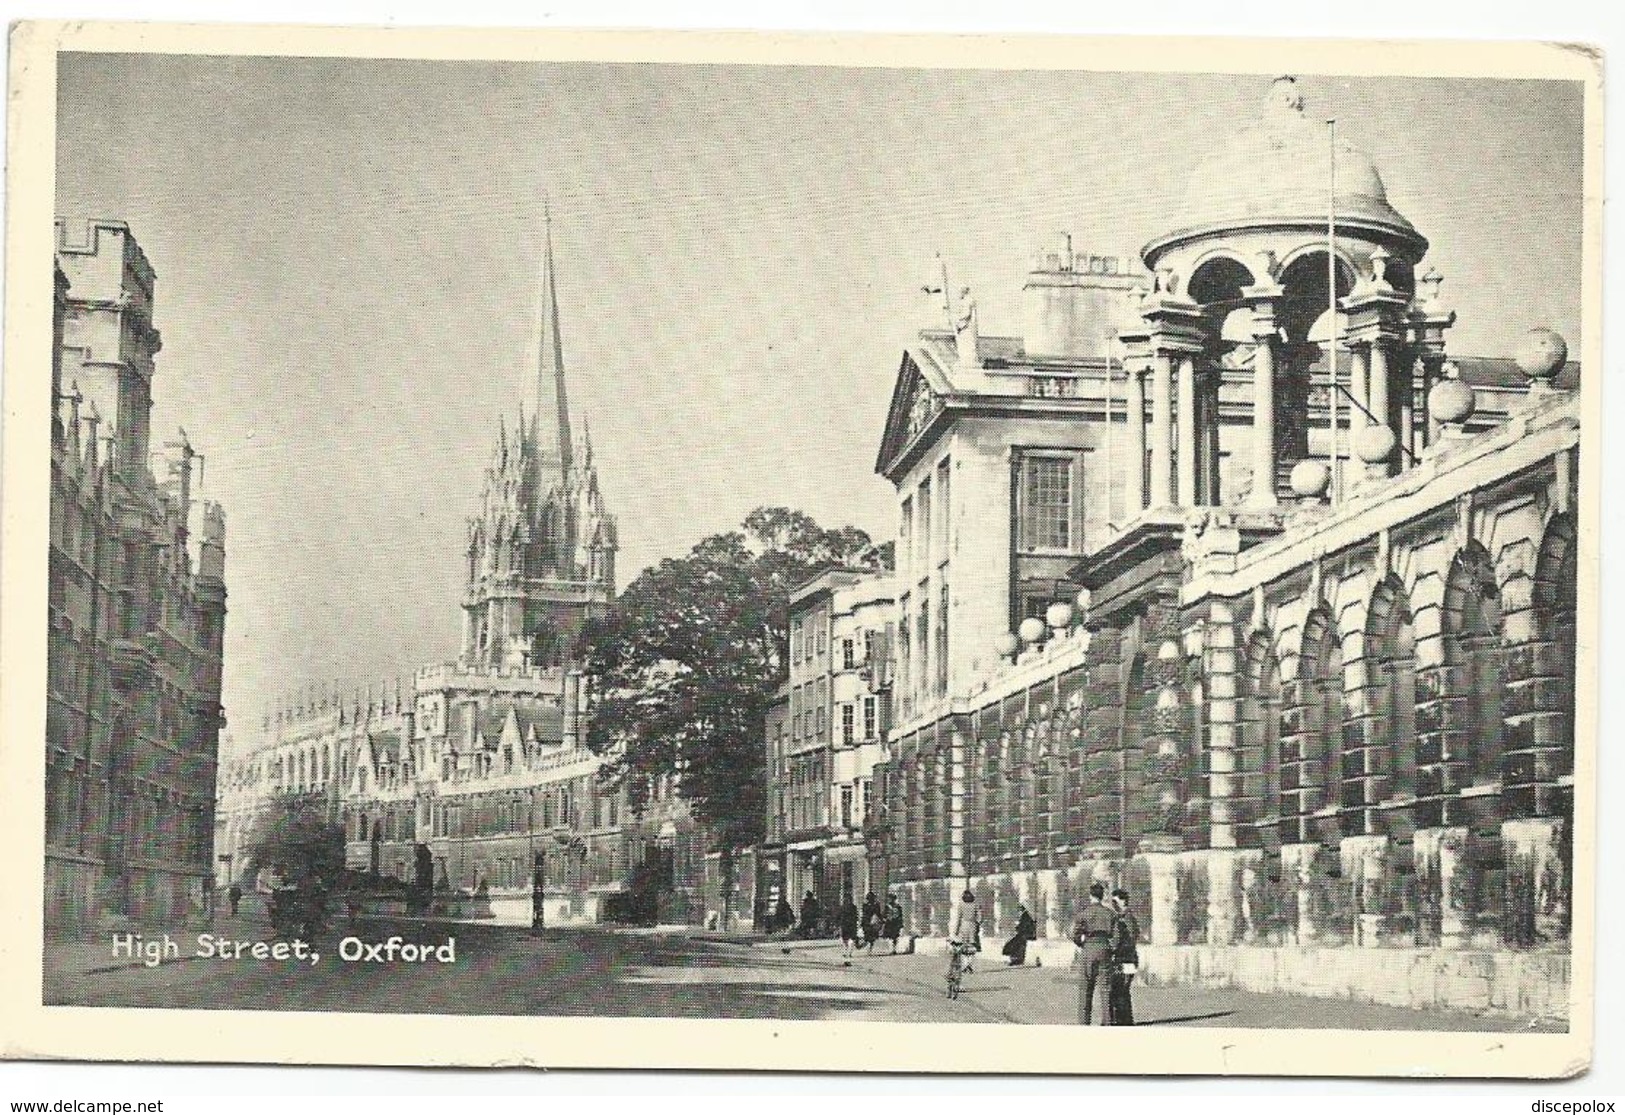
(918, 397)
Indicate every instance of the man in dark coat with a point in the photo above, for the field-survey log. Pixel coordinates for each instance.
(809, 915)
(1092, 933)
(1125, 959)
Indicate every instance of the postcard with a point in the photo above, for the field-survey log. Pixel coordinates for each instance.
(756, 551)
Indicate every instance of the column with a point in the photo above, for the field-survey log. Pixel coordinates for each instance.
(1185, 453)
(1164, 896)
(1360, 388)
(1162, 404)
(1407, 414)
(1428, 428)
(1379, 382)
(1263, 493)
(1134, 468)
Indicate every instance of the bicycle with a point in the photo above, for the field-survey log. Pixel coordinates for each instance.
(958, 964)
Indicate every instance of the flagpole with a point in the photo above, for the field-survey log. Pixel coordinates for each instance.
(1331, 314)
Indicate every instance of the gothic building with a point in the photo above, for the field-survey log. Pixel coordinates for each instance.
(137, 607)
(1279, 629)
(541, 551)
(476, 772)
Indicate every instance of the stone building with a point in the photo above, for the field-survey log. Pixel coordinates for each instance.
(475, 776)
(1297, 690)
(137, 608)
(824, 742)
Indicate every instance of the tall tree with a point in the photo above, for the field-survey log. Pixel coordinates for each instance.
(684, 666)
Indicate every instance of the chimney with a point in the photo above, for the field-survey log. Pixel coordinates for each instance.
(1073, 300)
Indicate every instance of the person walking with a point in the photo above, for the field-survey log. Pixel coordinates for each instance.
(1026, 930)
(849, 925)
(1125, 960)
(892, 921)
(1092, 933)
(965, 929)
(234, 895)
(809, 915)
(783, 917)
(872, 921)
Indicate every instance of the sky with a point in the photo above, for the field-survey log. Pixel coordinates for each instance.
(348, 258)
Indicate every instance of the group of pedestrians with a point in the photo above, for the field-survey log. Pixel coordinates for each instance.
(1106, 933)
(862, 929)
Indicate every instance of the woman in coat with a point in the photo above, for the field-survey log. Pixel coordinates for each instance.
(849, 925)
(892, 921)
(1026, 930)
(873, 921)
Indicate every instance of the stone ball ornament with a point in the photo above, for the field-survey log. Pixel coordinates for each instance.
(1032, 629)
(1541, 354)
(1310, 478)
(1451, 401)
(1059, 615)
(1375, 444)
(1006, 644)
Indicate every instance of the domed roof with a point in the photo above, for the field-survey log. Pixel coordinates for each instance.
(1278, 172)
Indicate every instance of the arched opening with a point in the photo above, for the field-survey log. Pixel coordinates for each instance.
(1216, 286)
(1304, 302)
(1259, 763)
(1473, 649)
(1320, 668)
(1391, 700)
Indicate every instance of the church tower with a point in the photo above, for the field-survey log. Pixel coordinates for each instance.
(541, 550)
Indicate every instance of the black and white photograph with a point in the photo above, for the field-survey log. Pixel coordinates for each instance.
(1081, 542)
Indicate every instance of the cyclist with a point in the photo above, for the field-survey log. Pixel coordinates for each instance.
(964, 939)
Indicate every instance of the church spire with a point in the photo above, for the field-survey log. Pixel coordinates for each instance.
(552, 405)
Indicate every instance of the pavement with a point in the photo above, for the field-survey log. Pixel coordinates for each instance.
(665, 972)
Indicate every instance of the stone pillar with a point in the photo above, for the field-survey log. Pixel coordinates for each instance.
(1298, 867)
(1407, 416)
(1134, 466)
(1185, 453)
(1537, 880)
(1224, 923)
(1364, 863)
(1164, 868)
(1265, 330)
(1380, 377)
(1360, 388)
(1226, 806)
(1263, 493)
(1441, 869)
(1162, 421)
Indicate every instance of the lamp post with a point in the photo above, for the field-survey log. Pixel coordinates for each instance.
(538, 877)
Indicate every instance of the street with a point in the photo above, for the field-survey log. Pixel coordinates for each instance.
(503, 970)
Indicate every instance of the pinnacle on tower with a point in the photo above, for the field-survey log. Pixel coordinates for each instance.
(552, 405)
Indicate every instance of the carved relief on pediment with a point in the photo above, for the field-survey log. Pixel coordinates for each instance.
(922, 407)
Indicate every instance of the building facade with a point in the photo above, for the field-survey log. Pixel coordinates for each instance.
(1294, 687)
(825, 738)
(137, 606)
(474, 777)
